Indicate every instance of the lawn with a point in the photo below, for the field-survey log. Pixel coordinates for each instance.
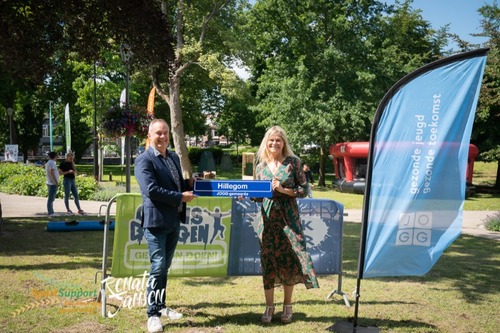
(40, 270)
(484, 174)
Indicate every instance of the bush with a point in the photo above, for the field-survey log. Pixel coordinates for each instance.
(107, 192)
(492, 223)
(29, 180)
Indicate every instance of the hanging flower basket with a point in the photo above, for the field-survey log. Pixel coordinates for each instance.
(118, 122)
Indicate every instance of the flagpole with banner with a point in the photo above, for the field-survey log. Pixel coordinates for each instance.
(67, 128)
(415, 183)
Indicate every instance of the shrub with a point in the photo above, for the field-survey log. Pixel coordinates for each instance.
(106, 193)
(29, 180)
(194, 154)
(492, 223)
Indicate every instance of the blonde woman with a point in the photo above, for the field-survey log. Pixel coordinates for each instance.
(284, 258)
(67, 169)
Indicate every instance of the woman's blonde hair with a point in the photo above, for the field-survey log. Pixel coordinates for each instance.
(70, 154)
(263, 153)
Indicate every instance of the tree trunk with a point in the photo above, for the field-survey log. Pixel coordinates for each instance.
(177, 126)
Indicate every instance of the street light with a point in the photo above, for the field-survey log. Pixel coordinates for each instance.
(126, 55)
(96, 143)
(10, 111)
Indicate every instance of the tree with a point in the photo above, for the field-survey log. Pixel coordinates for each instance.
(167, 37)
(202, 36)
(237, 121)
(34, 44)
(322, 66)
(485, 133)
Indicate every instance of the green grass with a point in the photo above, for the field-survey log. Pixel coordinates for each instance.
(459, 295)
(484, 174)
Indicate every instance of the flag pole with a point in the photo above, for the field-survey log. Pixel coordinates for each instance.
(344, 326)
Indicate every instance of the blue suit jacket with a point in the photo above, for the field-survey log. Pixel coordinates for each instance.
(160, 196)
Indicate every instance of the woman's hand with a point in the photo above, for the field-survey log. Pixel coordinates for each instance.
(276, 185)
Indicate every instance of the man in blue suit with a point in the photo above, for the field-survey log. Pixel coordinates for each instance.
(164, 196)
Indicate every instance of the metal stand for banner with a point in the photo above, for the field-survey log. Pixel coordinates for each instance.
(104, 274)
(339, 290)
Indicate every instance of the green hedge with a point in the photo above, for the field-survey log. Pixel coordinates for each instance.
(22, 179)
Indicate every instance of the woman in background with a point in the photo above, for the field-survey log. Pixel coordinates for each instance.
(67, 169)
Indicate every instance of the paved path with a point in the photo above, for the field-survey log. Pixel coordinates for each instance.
(24, 206)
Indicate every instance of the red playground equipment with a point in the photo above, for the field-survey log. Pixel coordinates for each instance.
(350, 160)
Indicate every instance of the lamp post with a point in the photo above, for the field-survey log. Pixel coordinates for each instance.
(10, 111)
(95, 148)
(51, 140)
(126, 55)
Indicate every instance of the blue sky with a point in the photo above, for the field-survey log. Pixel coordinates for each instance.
(462, 15)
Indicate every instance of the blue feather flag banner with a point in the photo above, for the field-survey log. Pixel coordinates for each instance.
(417, 163)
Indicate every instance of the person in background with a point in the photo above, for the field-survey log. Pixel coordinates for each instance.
(52, 181)
(164, 197)
(309, 179)
(67, 169)
(284, 258)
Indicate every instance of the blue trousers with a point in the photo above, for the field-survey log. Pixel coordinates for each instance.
(70, 186)
(50, 200)
(161, 245)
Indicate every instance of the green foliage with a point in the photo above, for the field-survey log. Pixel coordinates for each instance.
(109, 190)
(29, 180)
(320, 73)
(87, 186)
(492, 223)
(485, 133)
(22, 179)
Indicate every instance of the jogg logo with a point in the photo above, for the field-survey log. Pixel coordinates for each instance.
(414, 229)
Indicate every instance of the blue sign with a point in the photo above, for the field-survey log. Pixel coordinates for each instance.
(233, 188)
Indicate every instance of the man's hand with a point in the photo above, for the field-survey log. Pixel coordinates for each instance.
(188, 196)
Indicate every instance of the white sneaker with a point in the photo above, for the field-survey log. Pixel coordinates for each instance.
(154, 324)
(171, 314)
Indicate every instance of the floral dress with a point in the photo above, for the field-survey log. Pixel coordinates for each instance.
(283, 254)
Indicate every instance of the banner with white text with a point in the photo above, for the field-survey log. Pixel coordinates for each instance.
(417, 166)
